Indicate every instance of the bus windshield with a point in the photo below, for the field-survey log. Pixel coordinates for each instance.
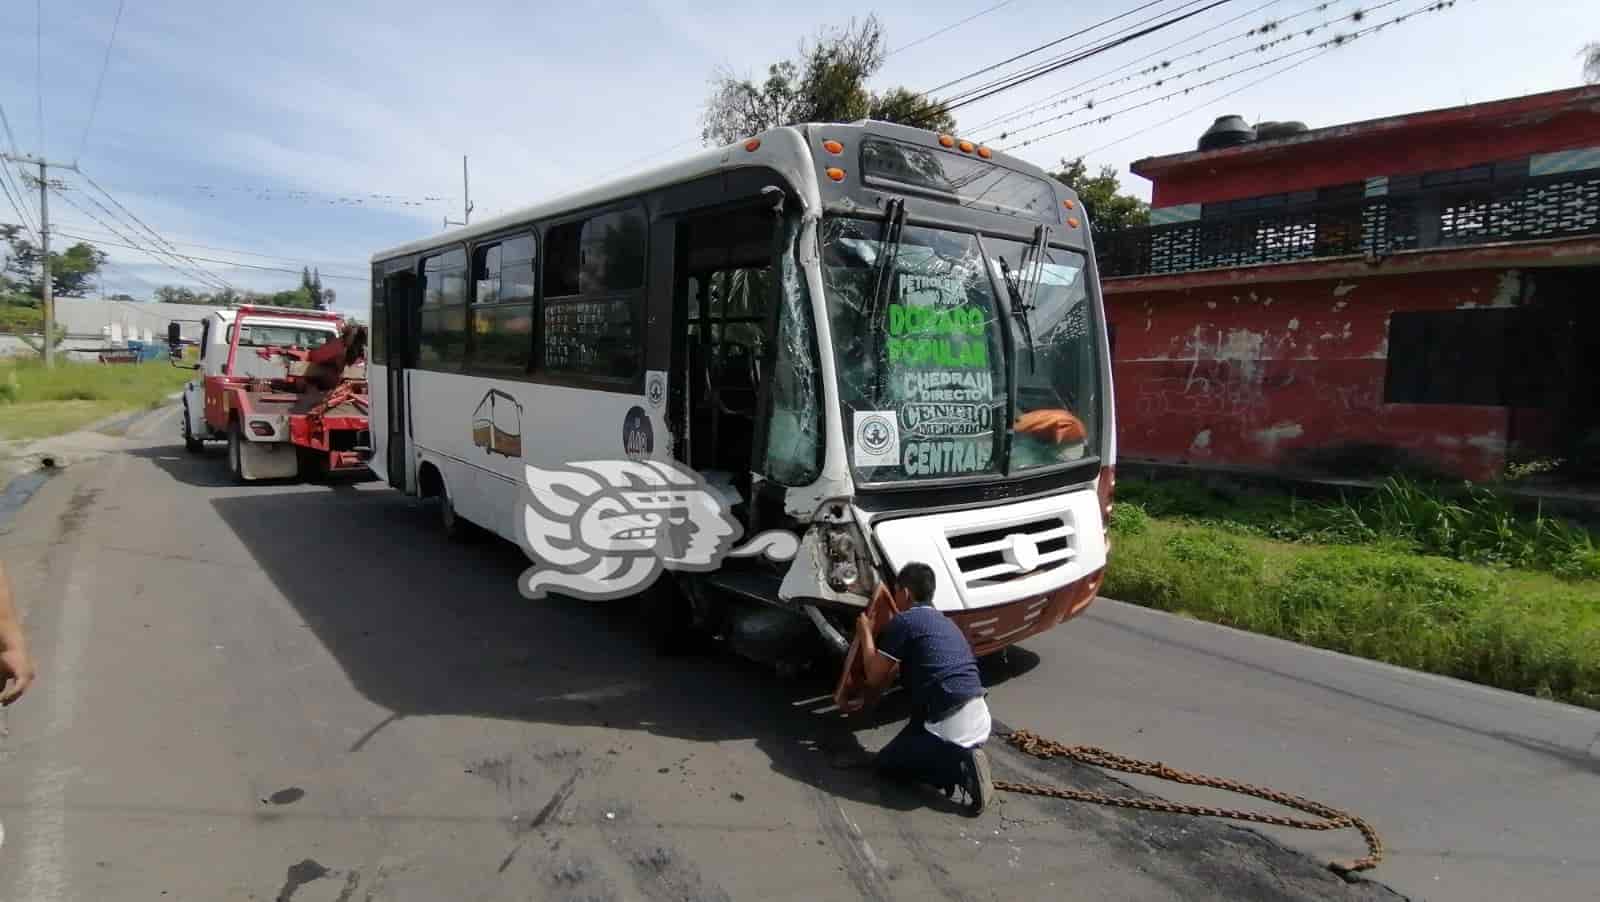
(922, 359)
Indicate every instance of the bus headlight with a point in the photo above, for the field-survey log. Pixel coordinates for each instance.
(849, 565)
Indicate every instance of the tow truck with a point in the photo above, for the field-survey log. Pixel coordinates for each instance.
(285, 387)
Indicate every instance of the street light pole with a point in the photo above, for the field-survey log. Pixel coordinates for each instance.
(44, 245)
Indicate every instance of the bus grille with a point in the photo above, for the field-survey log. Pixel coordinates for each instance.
(980, 552)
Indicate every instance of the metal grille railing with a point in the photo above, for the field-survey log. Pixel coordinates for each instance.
(1528, 209)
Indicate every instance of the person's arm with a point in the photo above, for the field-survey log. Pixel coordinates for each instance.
(16, 669)
(880, 668)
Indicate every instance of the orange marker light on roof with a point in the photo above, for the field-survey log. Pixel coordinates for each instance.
(985, 152)
(946, 141)
(752, 144)
(1069, 204)
(833, 147)
(835, 173)
(1072, 221)
(966, 147)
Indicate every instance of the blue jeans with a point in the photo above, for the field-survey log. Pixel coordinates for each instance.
(917, 755)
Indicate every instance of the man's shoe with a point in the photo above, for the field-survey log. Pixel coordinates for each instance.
(980, 785)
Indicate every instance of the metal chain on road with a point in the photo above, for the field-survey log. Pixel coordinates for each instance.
(1332, 818)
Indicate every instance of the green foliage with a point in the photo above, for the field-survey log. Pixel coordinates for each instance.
(1104, 203)
(826, 82)
(302, 296)
(72, 271)
(1526, 632)
(1128, 519)
(134, 384)
(1474, 524)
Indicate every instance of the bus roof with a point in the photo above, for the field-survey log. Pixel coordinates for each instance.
(784, 149)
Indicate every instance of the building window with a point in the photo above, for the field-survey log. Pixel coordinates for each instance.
(1457, 357)
(502, 308)
(442, 324)
(593, 289)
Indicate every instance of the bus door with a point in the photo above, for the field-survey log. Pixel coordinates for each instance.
(723, 286)
(399, 309)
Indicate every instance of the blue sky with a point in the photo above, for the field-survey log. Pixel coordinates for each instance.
(234, 127)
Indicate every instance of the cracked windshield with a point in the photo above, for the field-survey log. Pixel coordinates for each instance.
(921, 349)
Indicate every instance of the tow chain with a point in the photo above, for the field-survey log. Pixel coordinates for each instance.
(1332, 818)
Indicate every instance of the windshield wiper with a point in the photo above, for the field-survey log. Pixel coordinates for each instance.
(1024, 289)
(894, 224)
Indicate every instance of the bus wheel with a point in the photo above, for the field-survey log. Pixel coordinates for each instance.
(455, 527)
(669, 617)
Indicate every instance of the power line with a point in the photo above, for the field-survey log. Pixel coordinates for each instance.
(1008, 116)
(1196, 108)
(954, 25)
(1336, 41)
(1010, 82)
(194, 270)
(166, 261)
(6, 177)
(236, 263)
(1356, 16)
(5, 187)
(129, 213)
(233, 250)
(1006, 62)
(101, 81)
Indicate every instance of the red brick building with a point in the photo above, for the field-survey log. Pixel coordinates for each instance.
(1421, 290)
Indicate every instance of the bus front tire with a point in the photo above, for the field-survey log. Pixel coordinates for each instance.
(455, 527)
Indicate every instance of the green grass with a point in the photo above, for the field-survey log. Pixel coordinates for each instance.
(1522, 630)
(36, 402)
(1473, 524)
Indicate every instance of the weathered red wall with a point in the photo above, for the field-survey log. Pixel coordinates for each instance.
(1290, 375)
(1422, 142)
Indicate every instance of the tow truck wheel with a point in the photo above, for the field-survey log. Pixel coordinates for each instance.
(236, 453)
(190, 443)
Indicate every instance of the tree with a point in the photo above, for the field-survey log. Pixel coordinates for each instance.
(177, 294)
(826, 82)
(72, 271)
(1591, 62)
(1107, 208)
(316, 289)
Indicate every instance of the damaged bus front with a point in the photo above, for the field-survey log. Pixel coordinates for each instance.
(962, 394)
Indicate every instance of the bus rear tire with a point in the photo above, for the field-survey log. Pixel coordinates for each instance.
(669, 617)
(452, 525)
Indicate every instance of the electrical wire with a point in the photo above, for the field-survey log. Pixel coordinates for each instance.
(952, 26)
(1164, 79)
(100, 82)
(129, 213)
(1336, 41)
(233, 250)
(5, 187)
(38, 66)
(236, 263)
(1011, 82)
(1042, 102)
(1027, 53)
(1198, 107)
(133, 244)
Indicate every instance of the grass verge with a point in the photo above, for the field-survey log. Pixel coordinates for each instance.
(36, 402)
(1526, 631)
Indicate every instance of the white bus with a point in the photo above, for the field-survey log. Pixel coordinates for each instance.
(887, 341)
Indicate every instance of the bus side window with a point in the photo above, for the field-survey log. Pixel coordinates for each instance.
(502, 309)
(593, 291)
(442, 325)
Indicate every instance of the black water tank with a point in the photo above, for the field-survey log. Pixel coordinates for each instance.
(1227, 131)
(1267, 131)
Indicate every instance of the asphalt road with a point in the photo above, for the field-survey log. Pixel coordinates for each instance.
(302, 694)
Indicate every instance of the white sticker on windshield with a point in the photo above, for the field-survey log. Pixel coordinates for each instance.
(877, 439)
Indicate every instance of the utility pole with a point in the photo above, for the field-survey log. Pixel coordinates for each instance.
(466, 199)
(44, 245)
